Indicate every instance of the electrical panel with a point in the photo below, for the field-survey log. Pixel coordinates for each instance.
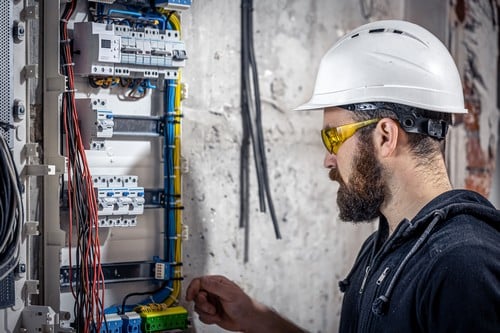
(109, 256)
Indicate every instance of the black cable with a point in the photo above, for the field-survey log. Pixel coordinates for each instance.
(252, 130)
(152, 4)
(152, 292)
(260, 132)
(245, 141)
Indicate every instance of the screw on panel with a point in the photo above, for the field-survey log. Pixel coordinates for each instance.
(19, 110)
(18, 31)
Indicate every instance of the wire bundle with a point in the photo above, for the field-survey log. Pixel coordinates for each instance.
(137, 88)
(252, 128)
(11, 211)
(87, 281)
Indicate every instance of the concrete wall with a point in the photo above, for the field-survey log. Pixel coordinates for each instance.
(296, 275)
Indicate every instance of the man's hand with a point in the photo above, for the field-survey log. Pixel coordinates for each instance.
(222, 302)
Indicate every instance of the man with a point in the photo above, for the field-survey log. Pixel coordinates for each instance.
(388, 90)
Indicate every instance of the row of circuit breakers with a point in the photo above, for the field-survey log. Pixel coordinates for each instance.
(122, 51)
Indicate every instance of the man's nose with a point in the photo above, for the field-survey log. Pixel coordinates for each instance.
(330, 161)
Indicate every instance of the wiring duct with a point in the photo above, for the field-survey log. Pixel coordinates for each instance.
(172, 250)
(87, 281)
(11, 211)
(252, 129)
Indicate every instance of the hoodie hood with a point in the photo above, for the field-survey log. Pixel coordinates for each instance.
(451, 204)
(443, 207)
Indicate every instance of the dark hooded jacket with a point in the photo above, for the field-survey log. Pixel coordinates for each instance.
(439, 272)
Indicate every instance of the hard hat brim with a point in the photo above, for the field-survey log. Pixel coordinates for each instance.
(383, 94)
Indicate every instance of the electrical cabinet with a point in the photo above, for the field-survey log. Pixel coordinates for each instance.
(100, 243)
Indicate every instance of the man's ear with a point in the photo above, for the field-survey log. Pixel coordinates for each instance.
(386, 137)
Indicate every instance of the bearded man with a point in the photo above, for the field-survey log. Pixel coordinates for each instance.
(388, 90)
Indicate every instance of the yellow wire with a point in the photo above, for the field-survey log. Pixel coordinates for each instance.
(174, 20)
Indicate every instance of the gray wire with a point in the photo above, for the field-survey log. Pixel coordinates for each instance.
(13, 217)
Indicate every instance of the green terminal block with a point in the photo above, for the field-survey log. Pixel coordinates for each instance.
(172, 318)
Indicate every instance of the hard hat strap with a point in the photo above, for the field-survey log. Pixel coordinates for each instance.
(431, 127)
(410, 118)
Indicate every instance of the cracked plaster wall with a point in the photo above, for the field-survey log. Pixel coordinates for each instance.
(296, 275)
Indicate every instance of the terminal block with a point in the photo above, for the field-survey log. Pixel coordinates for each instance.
(113, 324)
(96, 122)
(125, 51)
(131, 322)
(169, 319)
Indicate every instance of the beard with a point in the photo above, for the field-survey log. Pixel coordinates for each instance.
(361, 199)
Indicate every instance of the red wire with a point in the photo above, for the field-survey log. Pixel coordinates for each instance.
(94, 302)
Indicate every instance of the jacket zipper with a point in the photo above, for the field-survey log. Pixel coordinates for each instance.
(382, 276)
(365, 322)
(372, 262)
(363, 283)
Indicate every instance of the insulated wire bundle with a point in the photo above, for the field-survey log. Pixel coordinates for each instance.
(87, 282)
(172, 174)
(11, 211)
(252, 128)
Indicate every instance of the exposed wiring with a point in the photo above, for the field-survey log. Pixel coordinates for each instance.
(124, 301)
(11, 210)
(252, 128)
(172, 180)
(87, 281)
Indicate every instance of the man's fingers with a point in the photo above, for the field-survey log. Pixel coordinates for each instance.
(193, 289)
(203, 303)
(209, 319)
(219, 286)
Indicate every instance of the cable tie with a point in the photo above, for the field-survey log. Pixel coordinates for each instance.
(71, 90)
(65, 41)
(64, 20)
(68, 64)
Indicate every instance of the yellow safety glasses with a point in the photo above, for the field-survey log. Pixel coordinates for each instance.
(334, 137)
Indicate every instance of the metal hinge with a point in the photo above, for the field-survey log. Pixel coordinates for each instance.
(30, 13)
(31, 228)
(32, 287)
(30, 71)
(40, 170)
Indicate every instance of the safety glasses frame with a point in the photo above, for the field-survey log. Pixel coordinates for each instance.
(334, 137)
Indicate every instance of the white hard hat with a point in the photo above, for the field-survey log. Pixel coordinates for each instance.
(388, 61)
